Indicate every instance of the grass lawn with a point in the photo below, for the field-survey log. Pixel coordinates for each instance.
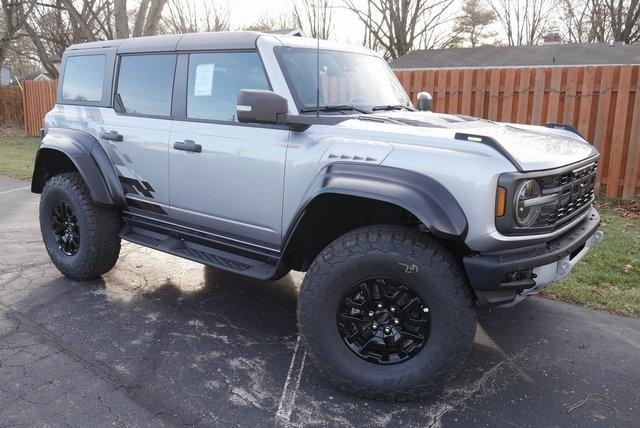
(17, 155)
(608, 278)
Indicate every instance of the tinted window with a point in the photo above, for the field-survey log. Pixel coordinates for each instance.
(216, 78)
(360, 80)
(145, 84)
(83, 76)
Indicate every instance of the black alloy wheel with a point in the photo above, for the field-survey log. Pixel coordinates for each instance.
(383, 321)
(65, 228)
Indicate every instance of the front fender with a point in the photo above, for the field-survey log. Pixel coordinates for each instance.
(422, 196)
(88, 157)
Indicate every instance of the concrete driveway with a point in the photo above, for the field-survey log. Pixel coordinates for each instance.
(163, 341)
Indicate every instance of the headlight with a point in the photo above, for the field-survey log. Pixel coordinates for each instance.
(527, 208)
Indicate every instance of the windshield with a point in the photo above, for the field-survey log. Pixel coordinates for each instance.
(349, 82)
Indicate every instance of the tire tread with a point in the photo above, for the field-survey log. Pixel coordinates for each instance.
(408, 242)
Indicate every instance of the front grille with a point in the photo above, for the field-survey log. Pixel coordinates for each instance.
(575, 191)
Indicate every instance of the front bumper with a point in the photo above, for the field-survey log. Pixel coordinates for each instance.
(507, 277)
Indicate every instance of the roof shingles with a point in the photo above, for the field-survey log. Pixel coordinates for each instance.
(518, 56)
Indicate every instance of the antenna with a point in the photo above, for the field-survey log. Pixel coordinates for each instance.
(317, 59)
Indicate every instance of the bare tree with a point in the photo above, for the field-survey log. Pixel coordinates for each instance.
(576, 23)
(398, 26)
(524, 22)
(471, 25)
(599, 30)
(11, 23)
(284, 21)
(51, 26)
(314, 17)
(183, 17)
(623, 19)
(587, 21)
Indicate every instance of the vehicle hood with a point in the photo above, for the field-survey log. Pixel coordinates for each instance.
(529, 147)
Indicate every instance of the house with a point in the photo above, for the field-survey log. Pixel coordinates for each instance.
(5, 76)
(38, 75)
(549, 54)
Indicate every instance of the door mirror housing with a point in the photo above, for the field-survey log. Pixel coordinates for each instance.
(425, 101)
(258, 106)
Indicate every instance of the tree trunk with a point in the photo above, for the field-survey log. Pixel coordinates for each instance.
(153, 17)
(3, 54)
(41, 51)
(138, 26)
(121, 19)
(79, 21)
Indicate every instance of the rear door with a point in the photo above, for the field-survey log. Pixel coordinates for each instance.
(226, 177)
(137, 135)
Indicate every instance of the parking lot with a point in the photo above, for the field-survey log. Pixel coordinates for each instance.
(164, 341)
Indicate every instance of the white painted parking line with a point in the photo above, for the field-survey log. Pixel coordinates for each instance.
(14, 190)
(292, 384)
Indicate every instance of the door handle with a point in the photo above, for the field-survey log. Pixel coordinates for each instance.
(111, 136)
(188, 146)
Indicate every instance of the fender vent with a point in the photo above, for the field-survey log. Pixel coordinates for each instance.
(352, 157)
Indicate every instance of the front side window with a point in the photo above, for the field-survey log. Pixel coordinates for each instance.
(215, 80)
(351, 79)
(145, 84)
(83, 78)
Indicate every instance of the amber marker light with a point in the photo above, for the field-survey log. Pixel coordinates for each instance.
(501, 201)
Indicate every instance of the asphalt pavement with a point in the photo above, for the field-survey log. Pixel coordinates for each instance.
(163, 341)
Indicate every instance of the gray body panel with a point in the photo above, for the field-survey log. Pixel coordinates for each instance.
(235, 184)
(142, 155)
(251, 181)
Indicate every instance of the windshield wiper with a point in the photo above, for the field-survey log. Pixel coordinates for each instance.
(391, 107)
(330, 108)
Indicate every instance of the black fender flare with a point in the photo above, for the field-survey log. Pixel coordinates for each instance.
(419, 194)
(89, 158)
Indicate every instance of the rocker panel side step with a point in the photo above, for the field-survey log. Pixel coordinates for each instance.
(198, 253)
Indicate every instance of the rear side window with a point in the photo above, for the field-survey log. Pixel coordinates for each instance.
(83, 78)
(145, 84)
(215, 80)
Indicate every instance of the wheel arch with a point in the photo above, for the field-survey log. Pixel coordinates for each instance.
(64, 150)
(348, 196)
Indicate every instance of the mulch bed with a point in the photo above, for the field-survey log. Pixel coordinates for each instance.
(10, 131)
(626, 209)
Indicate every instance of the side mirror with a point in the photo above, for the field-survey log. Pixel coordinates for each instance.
(257, 106)
(425, 100)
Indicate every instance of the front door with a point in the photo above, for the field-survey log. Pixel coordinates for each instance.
(225, 177)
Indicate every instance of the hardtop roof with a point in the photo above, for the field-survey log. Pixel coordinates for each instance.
(172, 42)
(208, 41)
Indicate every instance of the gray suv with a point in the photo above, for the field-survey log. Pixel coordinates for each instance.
(260, 153)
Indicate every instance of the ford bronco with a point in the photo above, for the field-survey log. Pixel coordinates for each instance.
(260, 154)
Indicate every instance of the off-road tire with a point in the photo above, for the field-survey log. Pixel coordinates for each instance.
(439, 280)
(99, 227)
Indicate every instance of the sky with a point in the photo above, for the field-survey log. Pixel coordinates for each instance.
(347, 27)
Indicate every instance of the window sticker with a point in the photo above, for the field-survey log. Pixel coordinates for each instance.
(203, 86)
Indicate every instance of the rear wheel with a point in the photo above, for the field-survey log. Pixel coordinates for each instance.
(81, 237)
(385, 313)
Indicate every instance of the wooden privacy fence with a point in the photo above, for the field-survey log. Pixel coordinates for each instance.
(38, 98)
(602, 102)
(11, 105)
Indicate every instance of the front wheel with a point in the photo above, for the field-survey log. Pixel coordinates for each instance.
(385, 313)
(81, 237)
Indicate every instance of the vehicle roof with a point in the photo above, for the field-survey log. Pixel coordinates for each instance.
(206, 41)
